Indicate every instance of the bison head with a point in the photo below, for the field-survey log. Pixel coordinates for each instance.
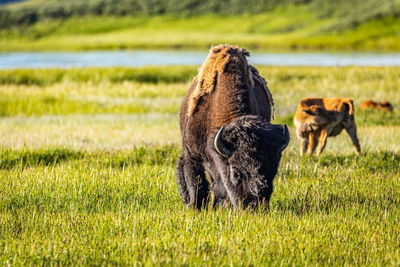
(249, 150)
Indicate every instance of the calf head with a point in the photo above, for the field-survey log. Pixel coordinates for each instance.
(319, 115)
(386, 106)
(249, 150)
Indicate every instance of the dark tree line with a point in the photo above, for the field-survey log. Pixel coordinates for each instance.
(353, 12)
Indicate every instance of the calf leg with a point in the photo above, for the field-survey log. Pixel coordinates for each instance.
(312, 142)
(352, 132)
(322, 141)
(196, 183)
(302, 134)
(303, 145)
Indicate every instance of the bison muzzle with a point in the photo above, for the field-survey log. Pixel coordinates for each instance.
(230, 148)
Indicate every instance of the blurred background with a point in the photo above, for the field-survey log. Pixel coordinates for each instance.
(263, 25)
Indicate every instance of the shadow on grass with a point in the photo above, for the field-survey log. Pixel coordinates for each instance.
(342, 182)
(371, 161)
(26, 158)
(150, 155)
(171, 74)
(168, 154)
(316, 200)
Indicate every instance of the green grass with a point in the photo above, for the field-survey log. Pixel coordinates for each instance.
(161, 89)
(86, 184)
(90, 209)
(172, 74)
(284, 28)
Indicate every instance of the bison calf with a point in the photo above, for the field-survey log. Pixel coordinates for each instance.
(369, 104)
(318, 118)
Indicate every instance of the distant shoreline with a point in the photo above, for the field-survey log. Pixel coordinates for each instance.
(262, 33)
(142, 58)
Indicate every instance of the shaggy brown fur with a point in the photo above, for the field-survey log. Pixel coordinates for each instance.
(383, 106)
(259, 82)
(318, 118)
(215, 63)
(230, 98)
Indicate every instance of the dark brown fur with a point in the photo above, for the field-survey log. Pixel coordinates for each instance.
(231, 94)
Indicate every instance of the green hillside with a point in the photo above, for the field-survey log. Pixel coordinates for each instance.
(130, 24)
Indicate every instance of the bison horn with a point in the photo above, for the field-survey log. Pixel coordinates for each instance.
(286, 137)
(220, 147)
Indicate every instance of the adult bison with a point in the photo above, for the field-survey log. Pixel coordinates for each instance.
(227, 136)
(316, 119)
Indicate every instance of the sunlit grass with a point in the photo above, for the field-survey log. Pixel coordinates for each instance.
(153, 89)
(87, 174)
(90, 132)
(122, 132)
(101, 207)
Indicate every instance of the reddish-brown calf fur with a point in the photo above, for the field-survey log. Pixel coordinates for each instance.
(383, 106)
(316, 119)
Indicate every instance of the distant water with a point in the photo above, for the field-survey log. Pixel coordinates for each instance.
(156, 58)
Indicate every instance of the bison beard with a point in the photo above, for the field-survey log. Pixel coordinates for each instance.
(229, 145)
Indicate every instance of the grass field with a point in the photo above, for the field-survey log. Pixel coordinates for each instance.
(284, 28)
(87, 165)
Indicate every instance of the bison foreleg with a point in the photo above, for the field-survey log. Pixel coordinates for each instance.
(196, 183)
(180, 179)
